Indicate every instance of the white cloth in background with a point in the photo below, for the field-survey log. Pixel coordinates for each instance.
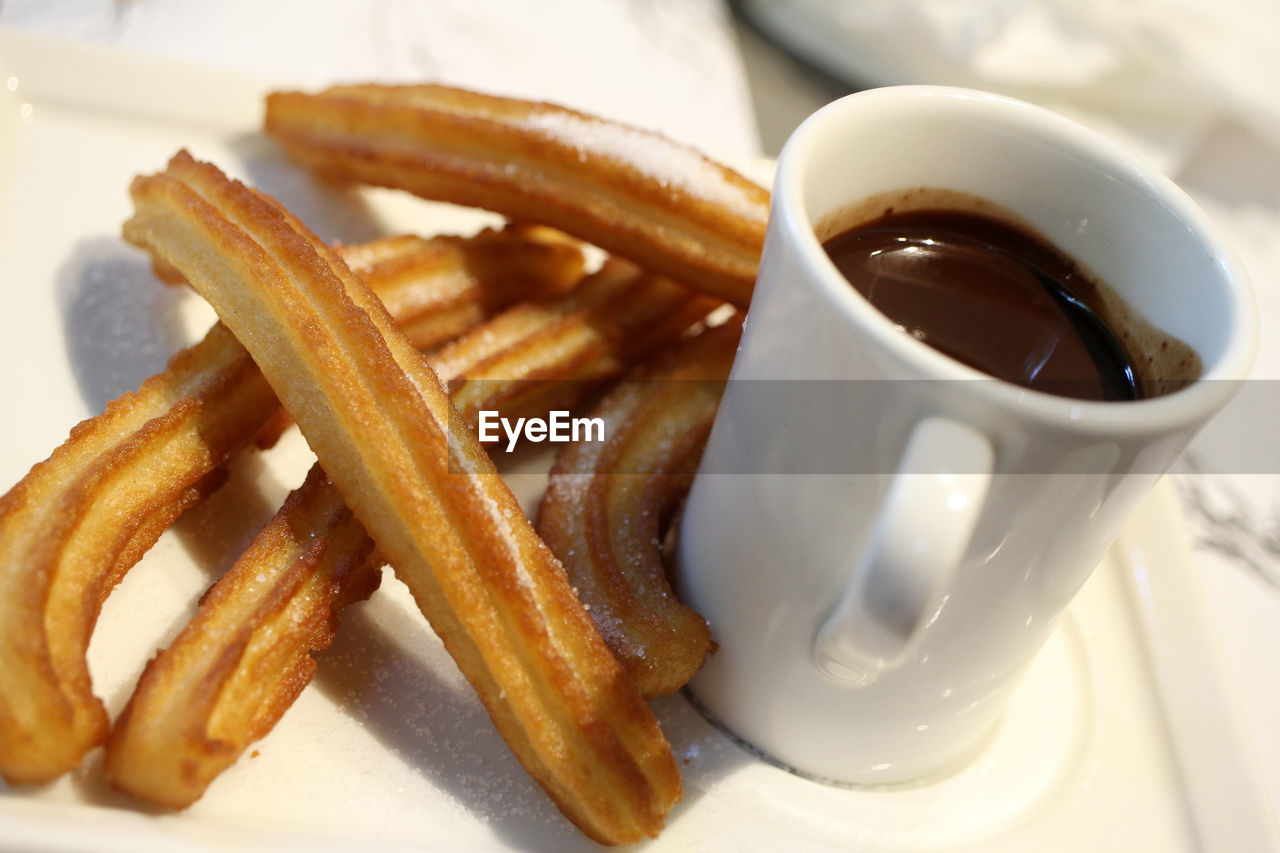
(666, 65)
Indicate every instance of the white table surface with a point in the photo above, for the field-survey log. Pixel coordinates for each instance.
(674, 66)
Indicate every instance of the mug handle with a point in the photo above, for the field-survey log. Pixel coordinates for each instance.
(902, 577)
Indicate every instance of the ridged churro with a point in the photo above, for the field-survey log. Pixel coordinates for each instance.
(636, 194)
(608, 504)
(238, 665)
(472, 278)
(76, 523)
(616, 316)
(243, 659)
(384, 430)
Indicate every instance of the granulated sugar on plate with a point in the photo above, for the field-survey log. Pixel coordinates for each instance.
(390, 673)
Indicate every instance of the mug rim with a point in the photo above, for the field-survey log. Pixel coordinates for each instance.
(1199, 399)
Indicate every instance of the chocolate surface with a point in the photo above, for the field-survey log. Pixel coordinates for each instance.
(991, 295)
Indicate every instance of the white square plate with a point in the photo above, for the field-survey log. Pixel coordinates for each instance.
(388, 748)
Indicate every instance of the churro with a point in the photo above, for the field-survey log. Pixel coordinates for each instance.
(383, 428)
(240, 663)
(617, 316)
(608, 504)
(636, 194)
(471, 278)
(76, 523)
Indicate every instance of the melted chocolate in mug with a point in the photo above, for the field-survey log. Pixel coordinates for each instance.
(990, 295)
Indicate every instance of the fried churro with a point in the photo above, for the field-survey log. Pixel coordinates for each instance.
(384, 430)
(243, 659)
(636, 194)
(76, 523)
(471, 277)
(608, 503)
(232, 672)
(616, 316)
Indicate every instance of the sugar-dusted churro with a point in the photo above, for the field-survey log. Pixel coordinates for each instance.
(243, 659)
(471, 277)
(384, 430)
(536, 357)
(238, 665)
(608, 503)
(76, 523)
(634, 193)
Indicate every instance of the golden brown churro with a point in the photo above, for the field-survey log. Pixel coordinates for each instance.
(608, 503)
(471, 277)
(243, 659)
(615, 317)
(65, 545)
(77, 522)
(384, 430)
(634, 193)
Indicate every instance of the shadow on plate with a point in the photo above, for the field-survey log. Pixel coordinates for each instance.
(121, 324)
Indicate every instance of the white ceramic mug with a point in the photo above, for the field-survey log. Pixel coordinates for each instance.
(881, 550)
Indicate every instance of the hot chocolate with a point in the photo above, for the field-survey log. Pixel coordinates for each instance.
(997, 297)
